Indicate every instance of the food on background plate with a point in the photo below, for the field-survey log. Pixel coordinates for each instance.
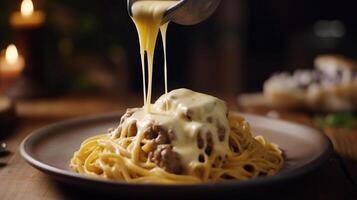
(341, 128)
(336, 120)
(331, 86)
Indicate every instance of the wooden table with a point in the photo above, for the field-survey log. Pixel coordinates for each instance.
(18, 180)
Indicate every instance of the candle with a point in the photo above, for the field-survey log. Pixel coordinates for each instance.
(28, 32)
(11, 64)
(27, 17)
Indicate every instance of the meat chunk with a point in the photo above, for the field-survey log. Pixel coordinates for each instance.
(132, 129)
(167, 159)
(129, 112)
(159, 134)
(162, 135)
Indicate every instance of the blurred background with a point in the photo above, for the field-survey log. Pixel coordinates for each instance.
(86, 46)
(61, 59)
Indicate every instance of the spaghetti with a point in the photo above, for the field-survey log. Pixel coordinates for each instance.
(169, 146)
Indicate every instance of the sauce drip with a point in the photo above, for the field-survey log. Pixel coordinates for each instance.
(163, 30)
(147, 16)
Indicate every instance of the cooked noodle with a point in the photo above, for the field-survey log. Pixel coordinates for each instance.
(123, 159)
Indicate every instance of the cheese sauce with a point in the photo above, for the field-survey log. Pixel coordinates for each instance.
(147, 16)
(190, 116)
(163, 30)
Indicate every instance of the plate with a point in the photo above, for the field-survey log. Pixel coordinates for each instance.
(51, 148)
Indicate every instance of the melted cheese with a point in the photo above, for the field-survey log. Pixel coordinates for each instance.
(163, 30)
(147, 16)
(189, 114)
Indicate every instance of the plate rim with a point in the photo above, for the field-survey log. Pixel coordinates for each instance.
(61, 174)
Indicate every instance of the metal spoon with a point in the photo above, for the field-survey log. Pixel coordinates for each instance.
(186, 12)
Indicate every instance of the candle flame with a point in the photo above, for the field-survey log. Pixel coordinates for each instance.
(11, 54)
(26, 8)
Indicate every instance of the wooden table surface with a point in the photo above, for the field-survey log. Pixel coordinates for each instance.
(335, 180)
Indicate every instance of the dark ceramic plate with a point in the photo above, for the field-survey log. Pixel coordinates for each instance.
(51, 148)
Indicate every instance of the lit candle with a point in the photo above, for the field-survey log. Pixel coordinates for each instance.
(27, 17)
(11, 64)
(28, 32)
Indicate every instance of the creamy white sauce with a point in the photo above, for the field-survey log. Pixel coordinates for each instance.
(206, 113)
(147, 16)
